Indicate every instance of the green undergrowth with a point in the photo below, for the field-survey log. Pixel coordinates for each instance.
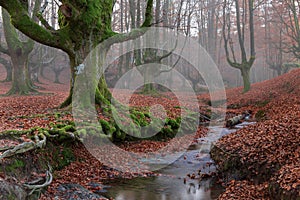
(61, 138)
(55, 154)
(133, 127)
(260, 115)
(15, 165)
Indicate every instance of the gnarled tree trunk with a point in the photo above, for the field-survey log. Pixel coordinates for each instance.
(83, 25)
(18, 51)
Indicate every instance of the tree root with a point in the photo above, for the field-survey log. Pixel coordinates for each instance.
(34, 187)
(24, 147)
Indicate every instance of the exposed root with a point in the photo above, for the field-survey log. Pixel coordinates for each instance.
(24, 147)
(35, 187)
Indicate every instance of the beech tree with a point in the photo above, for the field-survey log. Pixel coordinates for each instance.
(243, 18)
(18, 50)
(288, 11)
(83, 25)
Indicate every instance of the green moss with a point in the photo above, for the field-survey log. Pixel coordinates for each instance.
(148, 14)
(63, 156)
(82, 133)
(133, 130)
(139, 118)
(168, 131)
(11, 197)
(16, 165)
(69, 128)
(120, 135)
(100, 99)
(173, 123)
(260, 115)
(93, 132)
(189, 123)
(147, 114)
(107, 128)
(57, 115)
(105, 125)
(13, 133)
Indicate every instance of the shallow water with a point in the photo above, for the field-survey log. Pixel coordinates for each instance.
(171, 184)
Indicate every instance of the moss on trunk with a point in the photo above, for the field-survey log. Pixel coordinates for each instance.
(20, 79)
(246, 78)
(18, 51)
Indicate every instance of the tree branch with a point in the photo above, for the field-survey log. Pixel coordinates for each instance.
(21, 20)
(44, 22)
(240, 35)
(148, 14)
(226, 21)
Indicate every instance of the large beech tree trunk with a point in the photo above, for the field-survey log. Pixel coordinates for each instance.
(98, 90)
(20, 78)
(83, 25)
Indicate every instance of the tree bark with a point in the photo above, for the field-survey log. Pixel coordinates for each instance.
(18, 52)
(20, 80)
(76, 41)
(246, 78)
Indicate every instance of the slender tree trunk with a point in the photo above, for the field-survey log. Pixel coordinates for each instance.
(57, 72)
(279, 71)
(246, 78)
(245, 64)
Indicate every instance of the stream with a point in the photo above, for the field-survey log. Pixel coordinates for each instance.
(171, 184)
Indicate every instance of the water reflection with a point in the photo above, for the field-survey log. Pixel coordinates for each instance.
(160, 188)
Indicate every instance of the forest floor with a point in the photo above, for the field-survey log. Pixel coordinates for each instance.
(273, 142)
